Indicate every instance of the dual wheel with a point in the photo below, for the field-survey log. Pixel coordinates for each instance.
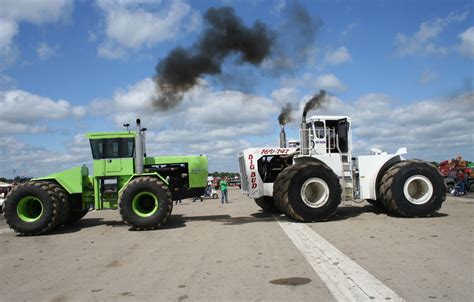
(312, 192)
(36, 207)
(304, 192)
(307, 192)
(412, 188)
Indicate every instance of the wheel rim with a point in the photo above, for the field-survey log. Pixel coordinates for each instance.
(145, 204)
(29, 209)
(315, 192)
(418, 189)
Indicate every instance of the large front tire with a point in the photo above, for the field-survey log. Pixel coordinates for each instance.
(307, 192)
(145, 203)
(412, 189)
(34, 208)
(267, 204)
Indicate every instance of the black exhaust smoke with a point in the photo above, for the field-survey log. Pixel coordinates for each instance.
(224, 34)
(314, 103)
(285, 114)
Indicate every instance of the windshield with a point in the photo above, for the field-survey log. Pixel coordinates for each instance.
(112, 148)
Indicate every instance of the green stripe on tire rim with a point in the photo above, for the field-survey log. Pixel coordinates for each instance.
(29, 209)
(145, 204)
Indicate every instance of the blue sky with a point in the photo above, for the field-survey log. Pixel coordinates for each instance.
(403, 70)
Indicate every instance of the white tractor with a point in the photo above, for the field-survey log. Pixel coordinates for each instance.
(308, 183)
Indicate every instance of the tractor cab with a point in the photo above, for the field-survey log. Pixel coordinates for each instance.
(113, 153)
(326, 135)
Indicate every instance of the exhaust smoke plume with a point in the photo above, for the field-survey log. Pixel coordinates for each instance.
(224, 34)
(295, 43)
(314, 103)
(285, 114)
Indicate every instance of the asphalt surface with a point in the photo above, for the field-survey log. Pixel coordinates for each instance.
(234, 252)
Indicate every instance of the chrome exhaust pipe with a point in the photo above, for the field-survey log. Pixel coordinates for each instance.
(282, 137)
(139, 149)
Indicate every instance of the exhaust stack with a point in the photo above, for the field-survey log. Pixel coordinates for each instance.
(282, 137)
(304, 137)
(139, 142)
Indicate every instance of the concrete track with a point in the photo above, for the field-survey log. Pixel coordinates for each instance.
(234, 252)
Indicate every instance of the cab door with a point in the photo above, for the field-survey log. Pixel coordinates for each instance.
(113, 163)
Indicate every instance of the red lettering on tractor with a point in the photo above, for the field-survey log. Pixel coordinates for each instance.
(253, 175)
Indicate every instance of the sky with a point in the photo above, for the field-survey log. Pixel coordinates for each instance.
(402, 70)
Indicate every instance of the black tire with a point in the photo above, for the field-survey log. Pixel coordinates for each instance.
(412, 189)
(470, 187)
(314, 177)
(41, 204)
(267, 204)
(77, 215)
(64, 205)
(376, 203)
(77, 211)
(145, 203)
(215, 196)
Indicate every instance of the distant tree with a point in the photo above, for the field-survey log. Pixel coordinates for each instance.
(224, 174)
(20, 179)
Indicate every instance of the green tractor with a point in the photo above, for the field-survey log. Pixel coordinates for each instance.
(142, 188)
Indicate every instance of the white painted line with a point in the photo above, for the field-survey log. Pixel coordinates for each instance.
(3, 231)
(346, 280)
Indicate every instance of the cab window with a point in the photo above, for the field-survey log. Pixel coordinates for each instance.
(112, 148)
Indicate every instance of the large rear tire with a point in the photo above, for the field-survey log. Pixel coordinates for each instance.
(77, 212)
(307, 192)
(267, 204)
(376, 203)
(34, 208)
(412, 189)
(145, 203)
(77, 215)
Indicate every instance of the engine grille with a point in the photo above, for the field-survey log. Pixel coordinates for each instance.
(243, 175)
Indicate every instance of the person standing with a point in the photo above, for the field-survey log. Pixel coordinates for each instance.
(223, 187)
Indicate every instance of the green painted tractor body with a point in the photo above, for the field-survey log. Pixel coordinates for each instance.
(142, 187)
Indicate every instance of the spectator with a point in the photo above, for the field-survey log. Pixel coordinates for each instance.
(223, 187)
(460, 180)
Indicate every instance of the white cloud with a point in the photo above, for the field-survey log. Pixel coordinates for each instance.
(467, 42)
(284, 95)
(329, 82)
(37, 12)
(428, 76)
(44, 51)
(137, 24)
(424, 40)
(110, 50)
(202, 122)
(8, 30)
(379, 122)
(338, 56)
(18, 155)
(24, 112)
